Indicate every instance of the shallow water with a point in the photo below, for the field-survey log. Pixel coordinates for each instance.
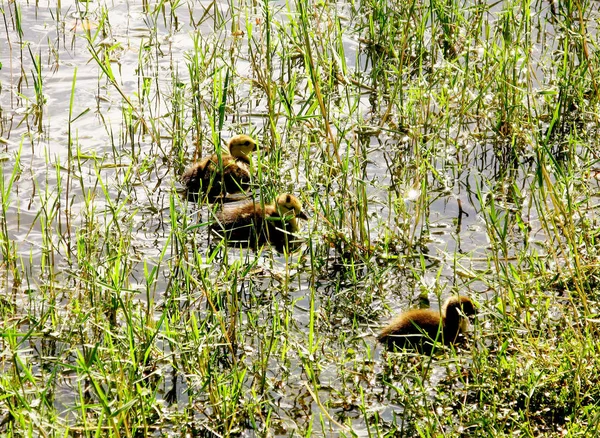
(107, 166)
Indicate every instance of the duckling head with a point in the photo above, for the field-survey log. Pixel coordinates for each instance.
(241, 146)
(461, 308)
(289, 205)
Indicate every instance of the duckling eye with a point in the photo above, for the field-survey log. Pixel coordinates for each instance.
(288, 199)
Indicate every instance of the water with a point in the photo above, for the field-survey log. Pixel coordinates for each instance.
(107, 166)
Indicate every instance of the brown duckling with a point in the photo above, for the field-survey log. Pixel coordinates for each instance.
(233, 177)
(419, 328)
(250, 224)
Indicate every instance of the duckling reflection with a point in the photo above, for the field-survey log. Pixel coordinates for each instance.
(250, 224)
(232, 175)
(421, 327)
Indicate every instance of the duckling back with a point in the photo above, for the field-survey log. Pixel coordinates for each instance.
(253, 225)
(215, 177)
(413, 329)
(419, 328)
(212, 179)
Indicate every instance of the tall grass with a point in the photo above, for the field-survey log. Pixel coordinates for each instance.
(440, 148)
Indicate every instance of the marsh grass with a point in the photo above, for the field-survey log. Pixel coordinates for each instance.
(439, 147)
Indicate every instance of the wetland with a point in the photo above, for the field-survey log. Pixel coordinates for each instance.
(438, 148)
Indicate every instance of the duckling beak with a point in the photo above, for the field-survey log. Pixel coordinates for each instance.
(302, 215)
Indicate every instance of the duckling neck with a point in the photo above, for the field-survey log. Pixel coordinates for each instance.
(293, 225)
(452, 321)
(290, 220)
(240, 155)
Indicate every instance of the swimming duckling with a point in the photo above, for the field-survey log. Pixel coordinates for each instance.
(233, 177)
(251, 224)
(419, 328)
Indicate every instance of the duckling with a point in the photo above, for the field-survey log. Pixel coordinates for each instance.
(249, 224)
(421, 327)
(233, 177)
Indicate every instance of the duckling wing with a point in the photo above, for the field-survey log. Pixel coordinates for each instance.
(249, 224)
(233, 174)
(414, 329)
(239, 223)
(203, 178)
(193, 180)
